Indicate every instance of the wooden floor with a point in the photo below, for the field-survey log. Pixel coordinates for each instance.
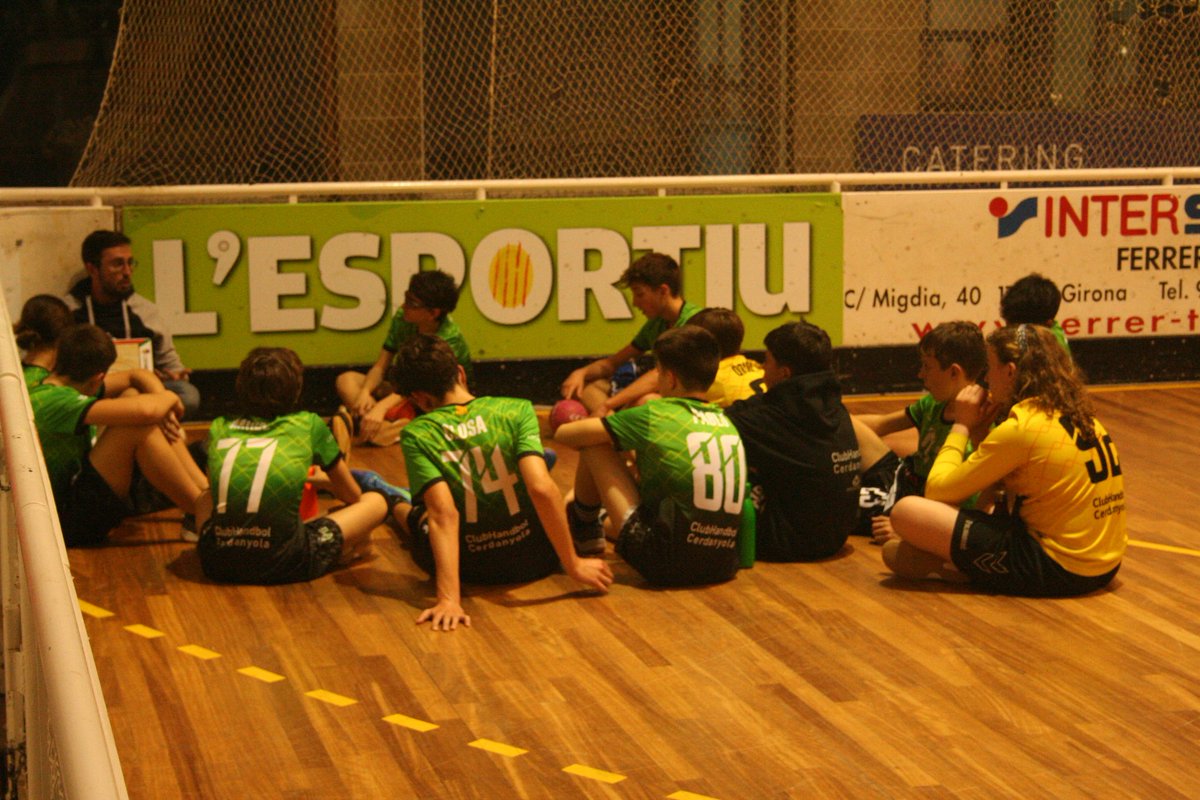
(806, 680)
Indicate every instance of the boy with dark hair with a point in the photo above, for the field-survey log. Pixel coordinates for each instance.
(486, 510)
(678, 519)
(372, 411)
(801, 447)
(953, 356)
(142, 440)
(738, 377)
(250, 525)
(613, 382)
(1034, 300)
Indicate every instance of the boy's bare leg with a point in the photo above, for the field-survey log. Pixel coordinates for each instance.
(189, 464)
(602, 478)
(594, 394)
(870, 445)
(120, 446)
(348, 385)
(204, 509)
(357, 520)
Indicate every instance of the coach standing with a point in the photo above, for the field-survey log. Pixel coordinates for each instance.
(106, 299)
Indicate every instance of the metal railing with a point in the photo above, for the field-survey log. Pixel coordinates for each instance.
(58, 739)
(662, 185)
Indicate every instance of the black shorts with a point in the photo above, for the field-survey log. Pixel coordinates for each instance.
(999, 555)
(91, 508)
(877, 493)
(316, 550)
(649, 546)
(324, 537)
(491, 569)
(885, 482)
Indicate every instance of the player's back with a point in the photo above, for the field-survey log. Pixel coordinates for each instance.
(690, 462)
(475, 447)
(257, 468)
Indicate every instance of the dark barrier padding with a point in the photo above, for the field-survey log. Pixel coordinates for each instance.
(863, 370)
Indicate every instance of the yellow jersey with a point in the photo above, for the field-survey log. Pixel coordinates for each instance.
(737, 378)
(1068, 491)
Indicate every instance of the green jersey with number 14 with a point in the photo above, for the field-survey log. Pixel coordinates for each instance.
(475, 448)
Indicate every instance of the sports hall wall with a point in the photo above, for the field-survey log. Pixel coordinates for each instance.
(874, 268)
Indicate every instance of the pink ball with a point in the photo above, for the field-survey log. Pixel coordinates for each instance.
(566, 411)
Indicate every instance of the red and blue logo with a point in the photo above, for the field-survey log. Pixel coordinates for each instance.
(1009, 222)
(1100, 214)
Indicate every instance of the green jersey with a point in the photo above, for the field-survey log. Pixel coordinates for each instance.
(58, 414)
(401, 331)
(649, 333)
(1060, 335)
(34, 374)
(692, 470)
(257, 468)
(475, 449)
(928, 416)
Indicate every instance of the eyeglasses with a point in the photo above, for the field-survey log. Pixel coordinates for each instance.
(412, 302)
(120, 264)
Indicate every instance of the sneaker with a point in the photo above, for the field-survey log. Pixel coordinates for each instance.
(915, 564)
(587, 536)
(551, 458)
(371, 481)
(188, 529)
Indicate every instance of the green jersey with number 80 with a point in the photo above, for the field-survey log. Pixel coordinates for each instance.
(692, 469)
(475, 448)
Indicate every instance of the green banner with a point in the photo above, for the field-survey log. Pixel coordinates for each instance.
(537, 276)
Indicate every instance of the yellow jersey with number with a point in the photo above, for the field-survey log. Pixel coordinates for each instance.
(1068, 490)
(737, 378)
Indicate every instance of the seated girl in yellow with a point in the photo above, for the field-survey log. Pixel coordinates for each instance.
(1062, 531)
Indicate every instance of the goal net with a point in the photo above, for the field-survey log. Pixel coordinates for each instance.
(220, 91)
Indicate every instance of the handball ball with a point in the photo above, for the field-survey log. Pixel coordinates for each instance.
(566, 411)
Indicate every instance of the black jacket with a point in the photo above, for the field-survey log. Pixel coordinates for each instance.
(804, 463)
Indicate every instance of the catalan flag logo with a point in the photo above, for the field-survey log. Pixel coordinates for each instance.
(510, 276)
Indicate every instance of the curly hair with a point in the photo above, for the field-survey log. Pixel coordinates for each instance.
(424, 364)
(436, 290)
(1045, 374)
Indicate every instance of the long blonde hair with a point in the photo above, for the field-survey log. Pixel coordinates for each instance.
(1045, 374)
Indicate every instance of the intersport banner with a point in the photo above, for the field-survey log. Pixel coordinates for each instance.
(1126, 260)
(537, 276)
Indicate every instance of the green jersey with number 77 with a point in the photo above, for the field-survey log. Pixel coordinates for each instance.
(257, 468)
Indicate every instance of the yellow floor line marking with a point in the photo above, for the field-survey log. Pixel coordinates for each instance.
(261, 675)
(144, 630)
(499, 748)
(593, 773)
(1143, 387)
(1167, 548)
(198, 651)
(94, 611)
(410, 722)
(339, 700)
(682, 795)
